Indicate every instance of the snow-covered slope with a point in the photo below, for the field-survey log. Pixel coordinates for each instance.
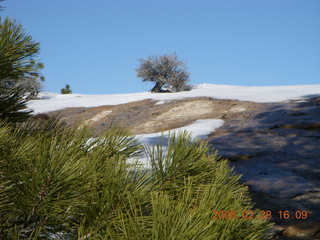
(52, 102)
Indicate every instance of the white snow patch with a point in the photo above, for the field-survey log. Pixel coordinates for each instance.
(160, 102)
(47, 95)
(61, 101)
(199, 129)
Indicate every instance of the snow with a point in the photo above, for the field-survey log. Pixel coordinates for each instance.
(53, 101)
(199, 129)
(47, 95)
(60, 101)
(259, 94)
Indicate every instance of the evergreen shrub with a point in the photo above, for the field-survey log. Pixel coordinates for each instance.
(58, 183)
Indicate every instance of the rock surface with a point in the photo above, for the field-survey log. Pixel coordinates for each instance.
(277, 150)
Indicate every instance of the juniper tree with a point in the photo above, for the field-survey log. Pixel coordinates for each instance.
(164, 71)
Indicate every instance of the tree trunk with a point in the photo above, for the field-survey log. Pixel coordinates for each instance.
(157, 87)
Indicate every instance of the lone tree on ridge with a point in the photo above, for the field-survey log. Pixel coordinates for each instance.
(165, 71)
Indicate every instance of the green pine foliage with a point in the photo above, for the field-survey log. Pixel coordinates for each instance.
(19, 71)
(18, 58)
(58, 183)
(13, 105)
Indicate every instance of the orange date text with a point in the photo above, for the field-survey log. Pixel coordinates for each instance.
(262, 214)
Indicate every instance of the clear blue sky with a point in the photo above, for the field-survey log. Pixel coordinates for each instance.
(94, 45)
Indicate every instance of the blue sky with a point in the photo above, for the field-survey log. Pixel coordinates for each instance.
(95, 45)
